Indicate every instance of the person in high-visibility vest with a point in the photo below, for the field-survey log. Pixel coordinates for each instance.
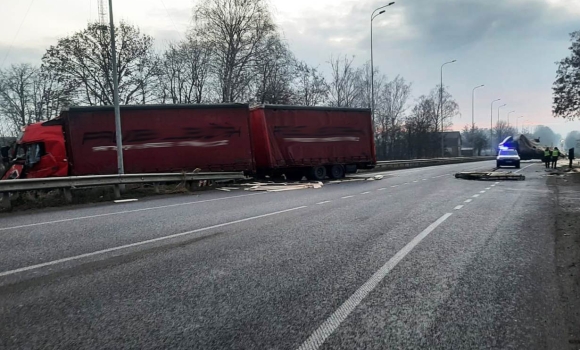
(547, 157)
(555, 155)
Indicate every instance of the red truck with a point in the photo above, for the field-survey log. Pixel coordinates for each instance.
(267, 140)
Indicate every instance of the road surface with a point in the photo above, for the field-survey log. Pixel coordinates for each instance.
(416, 260)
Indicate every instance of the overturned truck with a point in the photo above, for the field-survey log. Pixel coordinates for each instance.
(527, 148)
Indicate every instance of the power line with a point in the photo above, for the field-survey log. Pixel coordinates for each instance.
(15, 36)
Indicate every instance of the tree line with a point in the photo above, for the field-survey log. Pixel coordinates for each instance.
(233, 52)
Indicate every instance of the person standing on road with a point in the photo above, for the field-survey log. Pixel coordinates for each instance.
(547, 157)
(555, 155)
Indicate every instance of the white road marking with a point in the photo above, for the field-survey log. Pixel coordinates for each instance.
(488, 188)
(458, 207)
(517, 171)
(467, 200)
(126, 211)
(382, 189)
(416, 181)
(481, 191)
(394, 185)
(497, 183)
(406, 183)
(345, 197)
(324, 202)
(319, 336)
(424, 179)
(365, 193)
(136, 244)
(475, 196)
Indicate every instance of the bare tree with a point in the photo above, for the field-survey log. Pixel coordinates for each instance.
(390, 106)
(344, 85)
(420, 127)
(443, 117)
(310, 88)
(503, 130)
(84, 59)
(184, 72)
(274, 73)
(237, 31)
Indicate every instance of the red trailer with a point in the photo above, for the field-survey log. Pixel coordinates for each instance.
(311, 141)
(156, 138)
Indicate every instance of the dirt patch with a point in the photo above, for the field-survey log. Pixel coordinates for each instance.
(566, 188)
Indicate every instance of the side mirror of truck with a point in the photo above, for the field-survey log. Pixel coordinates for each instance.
(5, 153)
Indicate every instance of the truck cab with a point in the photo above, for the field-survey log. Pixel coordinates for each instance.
(38, 152)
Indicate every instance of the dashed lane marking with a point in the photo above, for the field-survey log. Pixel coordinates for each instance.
(481, 191)
(467, 200)
(488, 188)
(475, 196)
(345, 197)
(319, 336)
(382, 189)
(458, 207)
(365, 193)
(323, 202)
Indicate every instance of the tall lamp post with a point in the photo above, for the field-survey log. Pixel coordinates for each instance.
(373, 15)
(491, 125)
(508, 117)
(119, 139)
(498, 108)
(473, 107)
(441, 107)
(517, 120)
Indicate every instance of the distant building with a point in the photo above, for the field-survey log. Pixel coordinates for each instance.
(451, 143)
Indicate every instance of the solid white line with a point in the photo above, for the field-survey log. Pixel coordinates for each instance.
(467, 200)
(481, 191)
(475, 196)
(458, 207)
(319, 336)
(517, 171)
(345, 197)
(126, 212)
(324, 202)
(136, 244)
(365, 193)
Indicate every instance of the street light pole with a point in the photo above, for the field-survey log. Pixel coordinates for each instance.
(473, 108)
(498, 136)
(372, 60)
(441, 107)
(491, 125)
(517, 120)
(508, 117)
(119, 138)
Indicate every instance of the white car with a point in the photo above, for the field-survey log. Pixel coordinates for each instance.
(508, 157)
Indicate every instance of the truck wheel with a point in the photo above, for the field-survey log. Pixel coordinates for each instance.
(336, 171)
(317, 173)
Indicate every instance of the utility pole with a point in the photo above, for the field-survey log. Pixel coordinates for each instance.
(118, 132)
(491, 125)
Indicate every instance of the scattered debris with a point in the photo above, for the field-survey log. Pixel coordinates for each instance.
(279, 187)
(126, 200)
(489, 176)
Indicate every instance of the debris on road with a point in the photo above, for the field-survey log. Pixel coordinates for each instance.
(279, 187)
(489, 176)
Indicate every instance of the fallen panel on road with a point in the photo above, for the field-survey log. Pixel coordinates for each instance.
(489, 176)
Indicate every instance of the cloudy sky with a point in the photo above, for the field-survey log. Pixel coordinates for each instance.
(511, 46)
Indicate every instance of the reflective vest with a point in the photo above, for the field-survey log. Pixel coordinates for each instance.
(555, 153)
(547, 153)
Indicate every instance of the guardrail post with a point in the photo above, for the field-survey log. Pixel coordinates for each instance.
(67, 195)
(117, 189)
(5, 200)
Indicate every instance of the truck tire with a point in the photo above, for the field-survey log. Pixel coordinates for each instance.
(317, 173)
(336, 171)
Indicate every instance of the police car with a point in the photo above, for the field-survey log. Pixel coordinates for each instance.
(507, 156)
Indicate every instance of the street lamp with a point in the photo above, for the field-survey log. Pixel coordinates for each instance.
(373, 15)
(119, 139)
(508, 117)
(517, 120)
(491, 124)
(497, 125)
(441, 106)
(473, 108)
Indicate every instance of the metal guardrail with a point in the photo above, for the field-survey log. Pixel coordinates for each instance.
(414, 163)
(71, 182)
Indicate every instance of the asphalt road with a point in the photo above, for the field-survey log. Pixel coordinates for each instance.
(416, 260)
